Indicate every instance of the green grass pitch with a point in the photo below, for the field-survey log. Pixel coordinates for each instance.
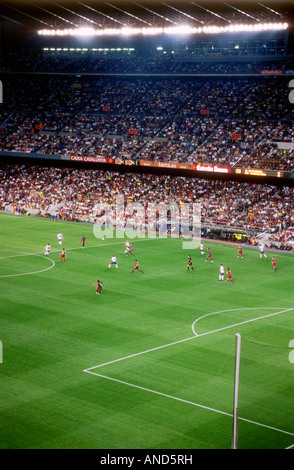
(150, 363)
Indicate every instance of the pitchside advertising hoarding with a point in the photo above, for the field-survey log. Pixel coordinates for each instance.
(187, 166)
(80, 158)
(168, 165)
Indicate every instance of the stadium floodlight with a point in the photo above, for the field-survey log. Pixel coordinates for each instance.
(174, 30)
(151, 31)
(130, 31)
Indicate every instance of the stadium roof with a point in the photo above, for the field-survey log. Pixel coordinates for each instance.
(40, 14)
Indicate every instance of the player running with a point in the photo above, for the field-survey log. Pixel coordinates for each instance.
(221, 272)
(62, 255)
(201, 248)
(209, 256)
(190, 264)
(129, 250)
(240, 252)
(99, 287)
(127, 247)
(274, 263)
(261, 251)
(136, 267)
(113, 261)
(60, 238)
(47, 249)
(229, 276)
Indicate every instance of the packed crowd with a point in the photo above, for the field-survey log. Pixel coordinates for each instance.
(119, 61)
(207, 121)
(81, 195)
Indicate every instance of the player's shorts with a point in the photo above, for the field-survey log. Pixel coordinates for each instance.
(136, 267)
(229, 277)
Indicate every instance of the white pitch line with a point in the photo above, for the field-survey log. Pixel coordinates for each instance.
(195, 335)
(198, 405)
(140, 353)
(67, 249)
(290, 447)
(89, 370)
(240, 323)
(33, 272)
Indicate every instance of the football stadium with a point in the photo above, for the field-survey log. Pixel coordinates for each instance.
(147, 227)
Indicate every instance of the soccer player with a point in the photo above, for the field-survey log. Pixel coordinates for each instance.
(229, 276)
(113, 261)
(261, 251)
(99, 287)
(47, 249)
(221, 272)
(136, 267)
(240, 252)
(209, 256)
(129, 250)
(60, 238)
(274, 263)
(127, 246)
(190, 264)
(201, 249)
(62, 255)
(83, 239)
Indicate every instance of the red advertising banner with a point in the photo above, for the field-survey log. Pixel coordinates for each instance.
(212, 168)
(145, 163)
(184, 166)
(77, 158)
(204, 111)
(235, 136)
(133, 131)
(106, 108)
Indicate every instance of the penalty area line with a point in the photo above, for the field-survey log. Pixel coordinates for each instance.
(240, 323)
(195, 336)
(182, 400)
(90, 370)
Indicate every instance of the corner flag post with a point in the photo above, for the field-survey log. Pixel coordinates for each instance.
(237, 373)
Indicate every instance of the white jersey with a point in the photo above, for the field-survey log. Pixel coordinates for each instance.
(47, 249)
(113, 260)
